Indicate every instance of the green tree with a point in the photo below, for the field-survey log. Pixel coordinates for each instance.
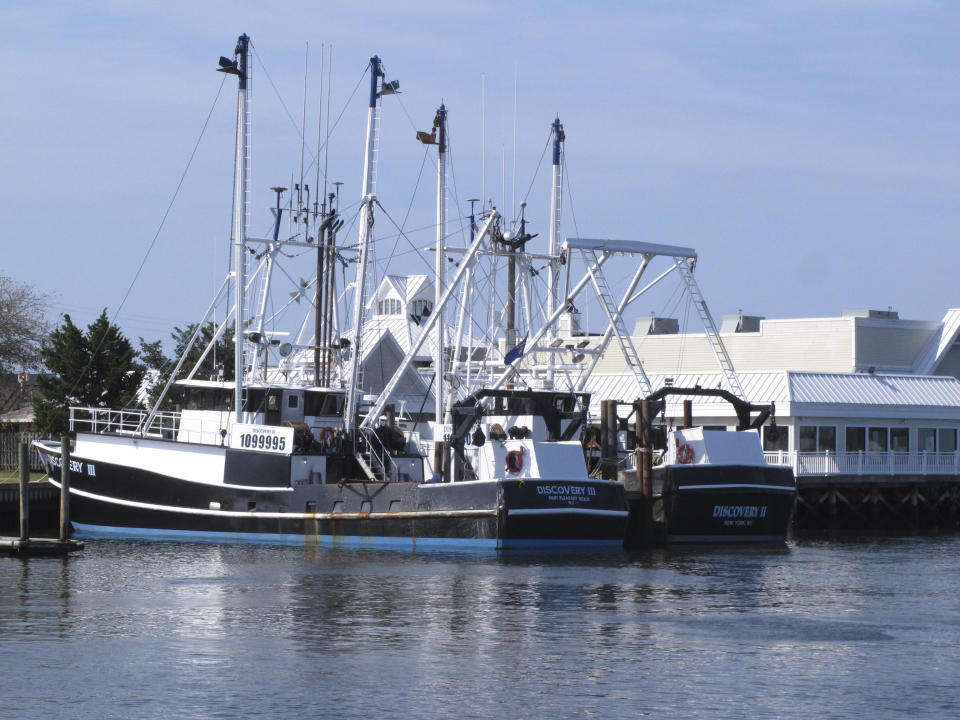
(218, 363)
(97, 368)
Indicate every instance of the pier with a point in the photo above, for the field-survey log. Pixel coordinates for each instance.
(24, 544)
(875, 491)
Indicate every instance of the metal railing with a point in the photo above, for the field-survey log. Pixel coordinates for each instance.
(124, 422)
(867, 463)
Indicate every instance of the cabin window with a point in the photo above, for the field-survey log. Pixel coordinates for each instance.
(253, 400)
(856, 439)
(927, 439)
(389, 306)
(273, 403)
(775, 438)
(293, 402)
(808, 438)
(333, 405)
(421, 308)
(900, 439)
(877, 439)
(947, 440)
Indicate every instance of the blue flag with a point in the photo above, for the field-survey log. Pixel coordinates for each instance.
(516, 352)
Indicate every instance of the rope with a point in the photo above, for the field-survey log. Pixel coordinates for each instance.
(156, 235)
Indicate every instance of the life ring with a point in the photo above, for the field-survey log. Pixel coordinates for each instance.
(327, 435)
(515, 461)
(685, 454)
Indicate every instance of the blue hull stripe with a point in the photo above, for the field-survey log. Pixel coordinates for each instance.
(94, 532)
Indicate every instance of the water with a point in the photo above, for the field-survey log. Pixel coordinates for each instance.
(167, 630)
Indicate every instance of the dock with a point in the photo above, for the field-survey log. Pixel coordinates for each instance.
(24, 545)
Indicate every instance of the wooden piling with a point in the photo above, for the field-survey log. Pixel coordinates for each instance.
(687, 414)
(645, 438)
(24, 492)
(610, 428)
(64, 488)
(25, 546)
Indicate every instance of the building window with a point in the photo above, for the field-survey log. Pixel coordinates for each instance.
(856, 439)
(421, 308)
(818, 438)
(877, 439)
(927, 439)
(900, 439)
(808, 438)
(947, 440)
(389, 306)
(775, 438)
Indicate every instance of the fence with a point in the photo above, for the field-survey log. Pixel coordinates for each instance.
(867, 463)
(9, 450)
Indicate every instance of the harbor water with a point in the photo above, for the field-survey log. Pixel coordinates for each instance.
(864, 628)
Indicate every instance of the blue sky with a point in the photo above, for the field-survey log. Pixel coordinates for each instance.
(808, 149)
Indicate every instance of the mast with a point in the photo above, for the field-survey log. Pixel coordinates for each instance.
(440, 122)
(366, 223)
(240, 67)
(556, 203)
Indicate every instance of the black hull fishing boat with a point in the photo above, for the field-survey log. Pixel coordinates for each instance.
(290, 451)
(697, 485)
(169, 489)
(715, 485)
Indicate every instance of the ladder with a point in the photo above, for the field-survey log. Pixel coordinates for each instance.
(371, 457)
(615, 318)
(685, 267)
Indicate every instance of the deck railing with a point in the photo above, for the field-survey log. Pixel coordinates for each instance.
(124, 422)
(867, 463)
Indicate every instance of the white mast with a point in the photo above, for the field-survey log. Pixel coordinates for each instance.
(366, 224)
(240, 67)
(440, 122)
(556, 202)
(556, 205)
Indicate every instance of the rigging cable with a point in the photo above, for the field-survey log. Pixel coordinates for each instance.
(156, 235)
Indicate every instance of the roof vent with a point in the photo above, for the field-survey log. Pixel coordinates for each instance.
(741, 323)
(656, 326)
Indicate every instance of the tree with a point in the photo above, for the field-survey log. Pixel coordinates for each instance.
(217, 364)
(97, 369)
(23, 325)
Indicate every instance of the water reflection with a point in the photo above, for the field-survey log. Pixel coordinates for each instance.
(167, 629)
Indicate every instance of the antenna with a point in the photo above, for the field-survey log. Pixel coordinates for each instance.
(326, 142)
(483, 135)
(316, 184)
(303, 131)
(516, 83)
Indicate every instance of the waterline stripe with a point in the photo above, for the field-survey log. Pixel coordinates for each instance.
(783, 488)
(567, 511)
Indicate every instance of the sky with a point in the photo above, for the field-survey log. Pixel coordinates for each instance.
(808, 149)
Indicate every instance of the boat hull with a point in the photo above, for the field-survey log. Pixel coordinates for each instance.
(725, 503)
(122, 501)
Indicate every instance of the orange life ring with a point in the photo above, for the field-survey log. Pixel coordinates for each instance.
(515, 461)
(685, 454)
(327, 435)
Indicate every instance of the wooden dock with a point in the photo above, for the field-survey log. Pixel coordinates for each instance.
(38, 546)
(26, 546)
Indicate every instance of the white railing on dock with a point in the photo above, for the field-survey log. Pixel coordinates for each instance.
(867, 463)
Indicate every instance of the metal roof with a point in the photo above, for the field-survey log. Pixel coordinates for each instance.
(759, 387)
(796, 393)
(875, 390)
